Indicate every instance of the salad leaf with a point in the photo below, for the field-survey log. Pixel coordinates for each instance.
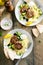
(20, 6)
(18, 34)
(21, 17)
(11, 46)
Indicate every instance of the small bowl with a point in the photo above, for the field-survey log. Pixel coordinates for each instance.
(6, 24)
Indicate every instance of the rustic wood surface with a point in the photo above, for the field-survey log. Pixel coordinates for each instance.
(36, 56)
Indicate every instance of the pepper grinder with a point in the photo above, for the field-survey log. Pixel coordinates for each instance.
(9, 6)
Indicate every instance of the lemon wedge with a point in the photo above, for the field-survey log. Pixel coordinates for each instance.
(28, 23)
(7, 36)
(1, 2)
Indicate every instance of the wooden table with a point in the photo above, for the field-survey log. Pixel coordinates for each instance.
(36, 56)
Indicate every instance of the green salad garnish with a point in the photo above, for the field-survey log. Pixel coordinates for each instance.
(11, 46)
(18, 34)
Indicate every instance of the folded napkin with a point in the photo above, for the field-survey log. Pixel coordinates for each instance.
(38, 30)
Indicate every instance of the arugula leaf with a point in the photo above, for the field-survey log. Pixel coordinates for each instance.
(11, 46)
(18, 34)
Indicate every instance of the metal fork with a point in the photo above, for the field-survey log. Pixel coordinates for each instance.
(19, 60)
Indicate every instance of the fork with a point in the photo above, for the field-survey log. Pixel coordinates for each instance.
(19, 60)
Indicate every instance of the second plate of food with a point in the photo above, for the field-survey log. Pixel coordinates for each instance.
(28, 14)
(16, 42)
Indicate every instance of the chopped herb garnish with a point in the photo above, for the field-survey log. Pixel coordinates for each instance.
(21, 17)
(18, 34)
(35, 8)
(40, 13)
(37, 17)
(20, 54)
(20, 6)
(11, 46)
(6, 24)
(19, 39)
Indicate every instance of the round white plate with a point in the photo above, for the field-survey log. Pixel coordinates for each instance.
(17, 14)
(30, 38)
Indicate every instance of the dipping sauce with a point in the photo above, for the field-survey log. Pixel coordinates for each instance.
(6, 24)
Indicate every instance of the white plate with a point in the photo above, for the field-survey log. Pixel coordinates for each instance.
(30, 38)
(23, 22)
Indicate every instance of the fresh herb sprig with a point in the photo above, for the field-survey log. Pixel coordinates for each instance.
(11, 46)
(18, 34)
